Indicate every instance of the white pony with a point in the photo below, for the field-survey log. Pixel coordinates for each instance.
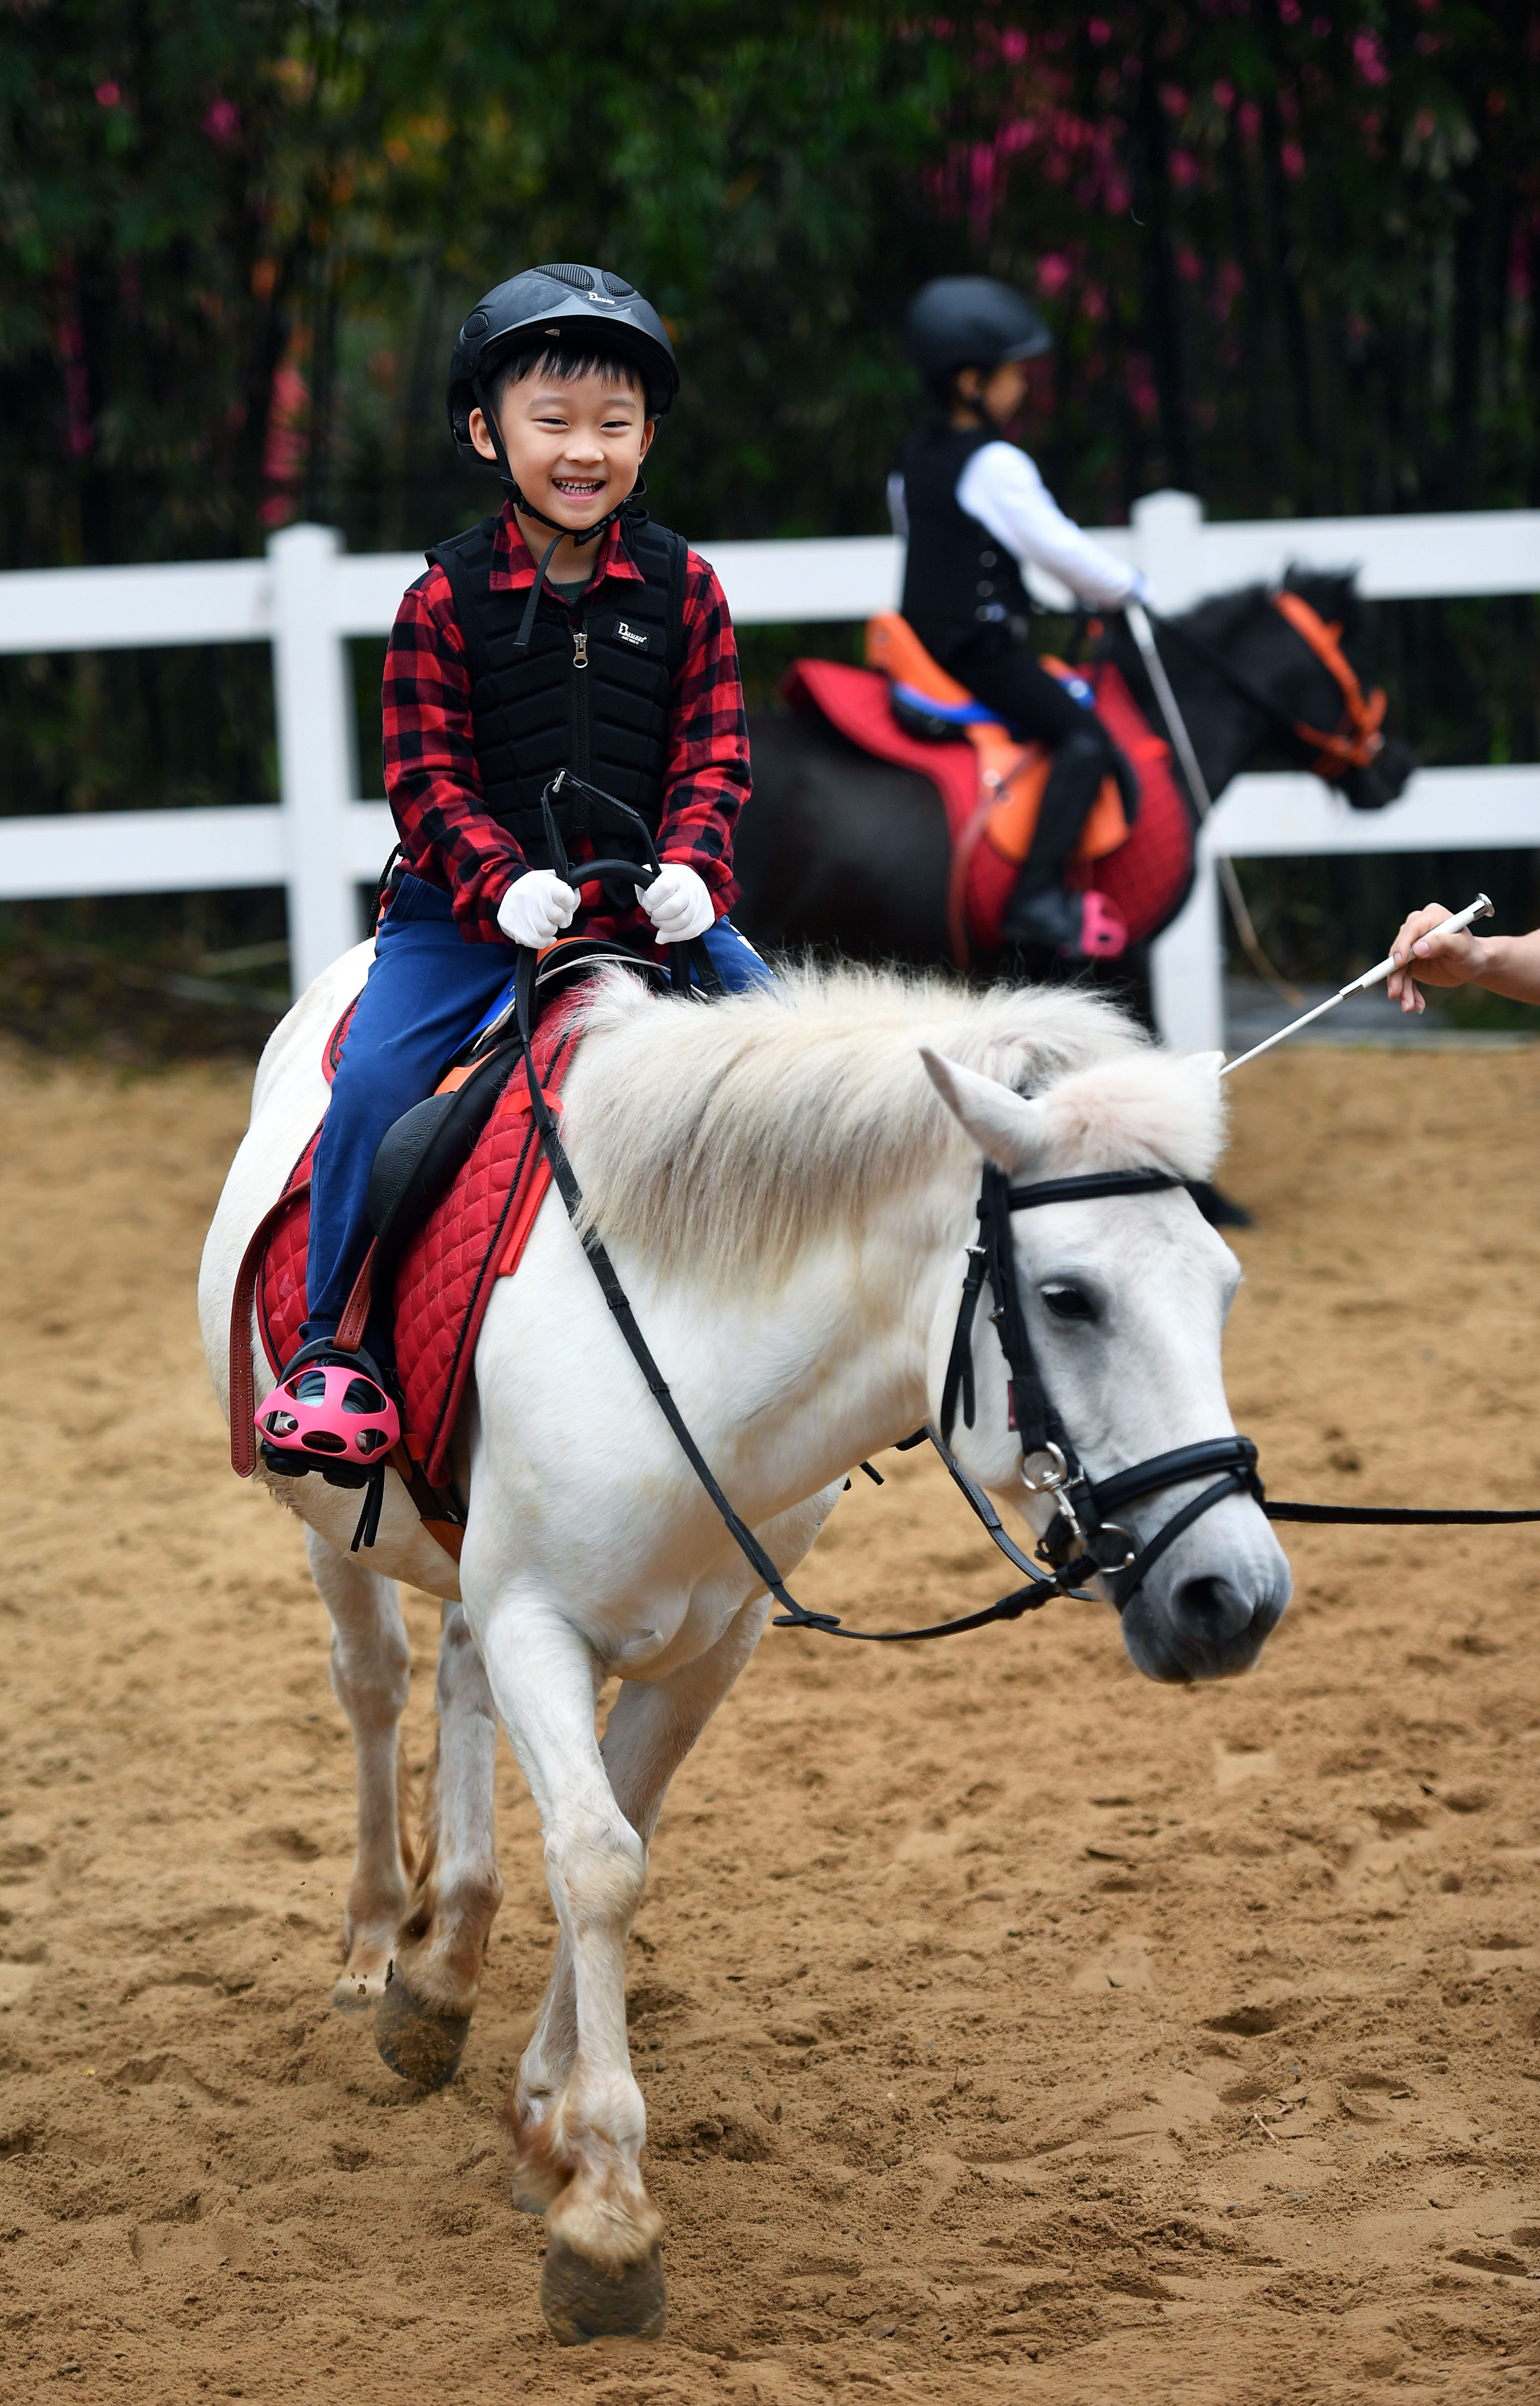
(786, 1195)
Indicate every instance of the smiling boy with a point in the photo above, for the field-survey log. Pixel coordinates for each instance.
(566, 632)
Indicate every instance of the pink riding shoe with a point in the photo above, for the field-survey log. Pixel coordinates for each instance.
(327, 1411)
(1104, 930)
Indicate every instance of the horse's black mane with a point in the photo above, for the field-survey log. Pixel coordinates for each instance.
(1332, 592)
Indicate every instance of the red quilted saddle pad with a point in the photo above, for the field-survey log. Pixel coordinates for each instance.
(475, 1235)
(1147, 877)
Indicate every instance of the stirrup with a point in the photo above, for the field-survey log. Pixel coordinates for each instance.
(329, 1410)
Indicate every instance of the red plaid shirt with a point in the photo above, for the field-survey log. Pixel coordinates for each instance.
(430, 773)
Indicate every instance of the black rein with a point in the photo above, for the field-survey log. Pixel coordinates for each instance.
(1040, 1588)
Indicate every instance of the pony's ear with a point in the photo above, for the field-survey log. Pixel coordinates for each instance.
(1332, 592)
(1002, 1123)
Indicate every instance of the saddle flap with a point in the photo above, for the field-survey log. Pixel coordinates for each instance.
(421, 1154)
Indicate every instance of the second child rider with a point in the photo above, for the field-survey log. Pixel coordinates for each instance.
(975, 512)
(568, 632)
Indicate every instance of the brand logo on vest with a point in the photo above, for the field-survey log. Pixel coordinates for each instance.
(627, 635)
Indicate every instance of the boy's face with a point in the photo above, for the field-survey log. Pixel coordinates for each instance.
(1016, 389)
(575, 448)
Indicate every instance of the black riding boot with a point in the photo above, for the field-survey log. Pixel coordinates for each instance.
(1041, 916)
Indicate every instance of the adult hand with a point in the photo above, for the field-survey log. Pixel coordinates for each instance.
(536, 907)
(679, 903)
(1454, 958)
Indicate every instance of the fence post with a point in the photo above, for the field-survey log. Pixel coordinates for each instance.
(1170, 530)
(1186, 979)
(318, 773)
(1187, 963)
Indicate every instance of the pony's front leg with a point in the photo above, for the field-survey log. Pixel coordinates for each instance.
(370, 1670)
(651, 1728)
(602, 2272)
(425, 2013)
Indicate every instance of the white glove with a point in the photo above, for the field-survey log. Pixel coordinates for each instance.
(536, 907)
(679, 904)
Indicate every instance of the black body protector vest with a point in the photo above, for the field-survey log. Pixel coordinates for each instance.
(958, 579)
(591, 692)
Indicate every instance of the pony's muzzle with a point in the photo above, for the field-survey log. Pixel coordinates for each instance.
(1210, 1611)
(1212, 1620)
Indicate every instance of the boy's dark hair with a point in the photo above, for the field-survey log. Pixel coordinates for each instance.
(563, 366)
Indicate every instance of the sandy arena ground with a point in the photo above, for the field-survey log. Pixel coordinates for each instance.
(1011, 2029)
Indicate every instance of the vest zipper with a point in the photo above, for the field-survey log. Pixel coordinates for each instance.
(580, 700)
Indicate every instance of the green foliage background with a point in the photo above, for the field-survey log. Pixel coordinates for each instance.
(1290, 249)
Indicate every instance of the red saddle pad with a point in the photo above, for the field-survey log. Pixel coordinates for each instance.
(1147, 876)
(473, 1236)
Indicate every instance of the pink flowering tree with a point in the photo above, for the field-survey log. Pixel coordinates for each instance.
(1289, 245)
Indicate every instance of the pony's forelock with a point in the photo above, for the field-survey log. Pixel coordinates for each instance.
(1155, 1111)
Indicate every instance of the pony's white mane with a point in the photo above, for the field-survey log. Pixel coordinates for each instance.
(744, 1132)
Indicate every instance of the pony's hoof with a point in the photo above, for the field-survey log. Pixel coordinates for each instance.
(422, 2046)
(581, 2303)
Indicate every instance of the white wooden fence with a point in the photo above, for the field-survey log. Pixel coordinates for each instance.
(307, 597)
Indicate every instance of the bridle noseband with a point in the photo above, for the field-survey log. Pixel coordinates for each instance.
(1082, 1541)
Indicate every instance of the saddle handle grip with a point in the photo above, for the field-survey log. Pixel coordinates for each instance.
(622, 821)
(587, 873)
(640, 874)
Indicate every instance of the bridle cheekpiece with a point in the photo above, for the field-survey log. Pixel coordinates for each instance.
(1082, 1541)
(1357, 738)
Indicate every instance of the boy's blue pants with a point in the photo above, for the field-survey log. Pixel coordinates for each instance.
(424, 993)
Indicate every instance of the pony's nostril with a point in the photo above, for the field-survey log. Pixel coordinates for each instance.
(1211, 1609)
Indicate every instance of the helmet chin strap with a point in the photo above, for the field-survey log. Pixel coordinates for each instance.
(577, 536)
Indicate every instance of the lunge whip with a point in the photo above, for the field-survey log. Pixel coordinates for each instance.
(1480, 909)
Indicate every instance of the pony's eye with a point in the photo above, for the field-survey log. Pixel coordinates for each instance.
(1069, 1303)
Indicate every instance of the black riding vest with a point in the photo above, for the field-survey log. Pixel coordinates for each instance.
(957, 577)
(592, 691)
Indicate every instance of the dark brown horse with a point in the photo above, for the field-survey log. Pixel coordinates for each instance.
(845, 852)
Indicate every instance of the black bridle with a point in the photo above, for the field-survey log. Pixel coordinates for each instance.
(1082, 1541)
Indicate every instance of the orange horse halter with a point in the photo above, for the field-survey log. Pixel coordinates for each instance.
(1357, 740)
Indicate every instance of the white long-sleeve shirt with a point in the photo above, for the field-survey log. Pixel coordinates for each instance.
(1002, 489)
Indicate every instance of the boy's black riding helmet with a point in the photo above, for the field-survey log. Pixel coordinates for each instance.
(584, 308)
(971, 321)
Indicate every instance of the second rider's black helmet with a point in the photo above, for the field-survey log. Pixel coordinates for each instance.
(971, 321)
(576, 307)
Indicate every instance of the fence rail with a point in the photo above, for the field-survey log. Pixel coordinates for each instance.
(307, 597)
